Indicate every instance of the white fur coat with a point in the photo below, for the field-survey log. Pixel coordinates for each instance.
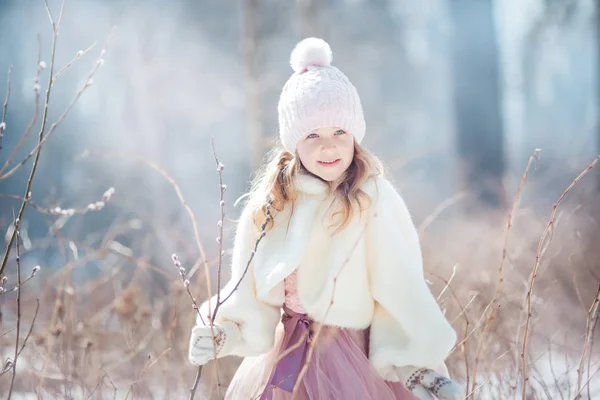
(376, 265)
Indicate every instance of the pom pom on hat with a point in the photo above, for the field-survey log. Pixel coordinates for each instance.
(310, 51)
(317, 97)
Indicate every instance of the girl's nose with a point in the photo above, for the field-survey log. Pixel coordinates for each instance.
(328, 143)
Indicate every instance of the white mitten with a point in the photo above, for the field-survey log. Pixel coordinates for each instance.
(424, 383)
(203, 343)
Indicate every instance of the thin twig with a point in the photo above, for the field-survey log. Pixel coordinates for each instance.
(589, 323)
(196, 382)
(147, 365)
(591, 350)
(222, 189)
(5, 108)
(551, 365)
(58, 211)
(8, 331)
(37, 308)
(36, 91)
(97, 386)
(78, 55)
(463, 311)
(475, 389)
(534, 271)
(111, 382)
(587, 382)
(17, 286)
(19, 290)
(447, 283)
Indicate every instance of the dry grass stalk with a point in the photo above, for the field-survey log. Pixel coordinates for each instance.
(463, 344)
(147, 365)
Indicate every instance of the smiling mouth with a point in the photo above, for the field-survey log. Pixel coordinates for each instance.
(330, 163)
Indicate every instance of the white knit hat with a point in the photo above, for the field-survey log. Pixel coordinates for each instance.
(317, 95)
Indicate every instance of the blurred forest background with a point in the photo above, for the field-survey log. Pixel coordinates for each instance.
(458, 94)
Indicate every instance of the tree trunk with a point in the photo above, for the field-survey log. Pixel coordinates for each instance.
(477, 98)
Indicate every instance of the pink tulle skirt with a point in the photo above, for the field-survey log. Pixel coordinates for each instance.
(339, 367)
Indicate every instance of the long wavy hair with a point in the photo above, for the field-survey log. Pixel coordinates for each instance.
(273, 185)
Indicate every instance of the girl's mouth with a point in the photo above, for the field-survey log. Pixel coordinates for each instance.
(330, 163)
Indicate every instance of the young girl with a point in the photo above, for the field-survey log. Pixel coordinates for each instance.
(339, 265)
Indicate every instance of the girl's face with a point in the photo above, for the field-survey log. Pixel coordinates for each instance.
(327, 152)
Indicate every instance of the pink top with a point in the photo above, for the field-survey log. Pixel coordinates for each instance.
(292, 301)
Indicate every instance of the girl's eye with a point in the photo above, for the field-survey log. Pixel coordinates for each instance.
(340, 132)
(312, 136)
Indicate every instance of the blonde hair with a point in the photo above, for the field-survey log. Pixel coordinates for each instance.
(273, 185)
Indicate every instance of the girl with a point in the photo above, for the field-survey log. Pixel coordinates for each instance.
(339, 265)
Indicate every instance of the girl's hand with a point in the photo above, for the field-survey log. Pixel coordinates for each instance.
(203, 343)
(424, 383)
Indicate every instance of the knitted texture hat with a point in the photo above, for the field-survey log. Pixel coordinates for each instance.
(317, 95)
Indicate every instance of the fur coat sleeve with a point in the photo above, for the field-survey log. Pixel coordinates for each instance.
(255, 319)
(408, 326)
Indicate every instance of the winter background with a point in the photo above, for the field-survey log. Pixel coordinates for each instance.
(458, 95)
